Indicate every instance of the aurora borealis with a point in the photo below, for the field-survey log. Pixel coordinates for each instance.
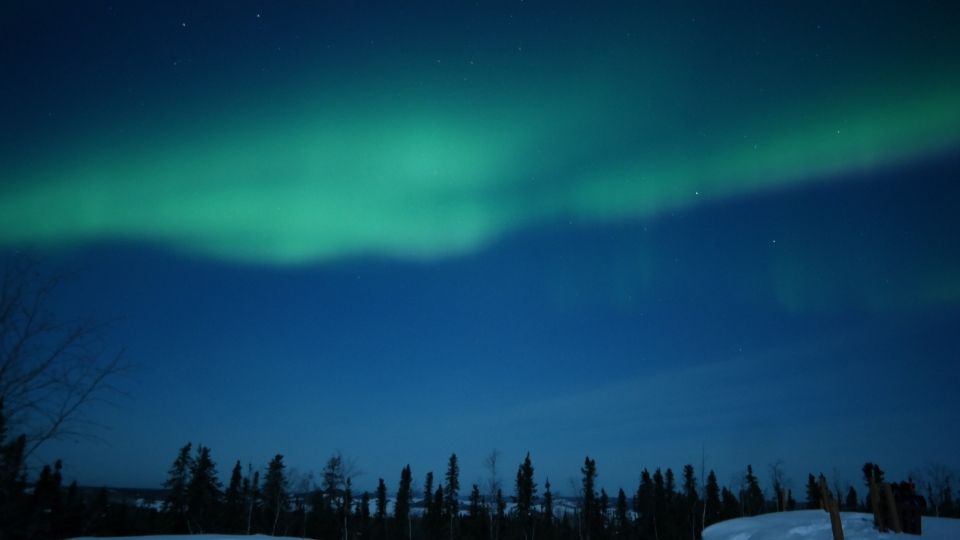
(501, 140)
(640, 188)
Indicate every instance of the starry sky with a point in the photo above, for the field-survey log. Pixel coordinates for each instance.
(401, 230)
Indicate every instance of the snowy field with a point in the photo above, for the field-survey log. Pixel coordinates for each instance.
(815, 525)
(196, 537)
(799, 525)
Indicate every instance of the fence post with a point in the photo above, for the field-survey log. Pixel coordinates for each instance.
(835, 523)
(875, 504)
(892, 509)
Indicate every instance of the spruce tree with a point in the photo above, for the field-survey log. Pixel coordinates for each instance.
(622, 517)
(500, 521)
(872, 470)
(452, 493)
(275, 493)
(661, 526)
(878, 475)
(347, 504)
(731, 506)
(429, 517)
(13, 481)
(548, 505)
(203, 493)
(438, 505)
(690, 504)
(71, 526)
(232, 518)
(474, 527)
(401, 510)
(362, 515)
(670, 526)
(175, 505)
(644, 504)
(428, 492)
(381, 517)
(851, 502)
(753, 502)
(45, 503)
(526, 497)
(589, 510)
(714, 509)
(813, 493)
(867, 470)
(600, 517)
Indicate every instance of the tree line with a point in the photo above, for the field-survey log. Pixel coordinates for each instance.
(278, 501)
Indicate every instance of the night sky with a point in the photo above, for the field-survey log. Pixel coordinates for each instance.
(401, 230)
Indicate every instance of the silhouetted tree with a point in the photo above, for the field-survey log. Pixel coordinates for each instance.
(777, 482)
(645, 505)
(203, 493)
(670, 524)
(380, 519)
(813, 493)
(852, 503)
(362, 516)
(731, 506)
(600, 518)
(51, 367)
(475, 528)
(175, 505)
(438, 505)
(526, 498)
(232, 517)
(251, 490)
(452, 493)
(714, 509)
(547, 509)
(429, 515)
(752, 502)
(45, 504)
(275, 495)
(589, 509)
(500, 521)
(622, 525)
(401, 510)
(493, 488)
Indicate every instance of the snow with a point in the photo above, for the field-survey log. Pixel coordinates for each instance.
(815, 525)
(195, 537)
(799, 525)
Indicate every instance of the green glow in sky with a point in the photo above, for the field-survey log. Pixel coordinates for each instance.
(374, 167)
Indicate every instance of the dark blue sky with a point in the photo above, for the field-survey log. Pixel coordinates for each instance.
(402, 230)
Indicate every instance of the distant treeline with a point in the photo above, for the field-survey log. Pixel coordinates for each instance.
(280, 502)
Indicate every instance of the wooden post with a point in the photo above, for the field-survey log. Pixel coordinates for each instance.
(892, 513)
(835, 523)
(875, 504)
(783, 500)
(824, 494)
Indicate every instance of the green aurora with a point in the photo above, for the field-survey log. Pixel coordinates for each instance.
(418, 187)
(412, 161)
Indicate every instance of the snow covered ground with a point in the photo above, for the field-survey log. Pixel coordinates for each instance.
(815, 525)
(799, 525)
(195, 537)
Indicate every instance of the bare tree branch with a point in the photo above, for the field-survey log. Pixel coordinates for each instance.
(51, 367)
